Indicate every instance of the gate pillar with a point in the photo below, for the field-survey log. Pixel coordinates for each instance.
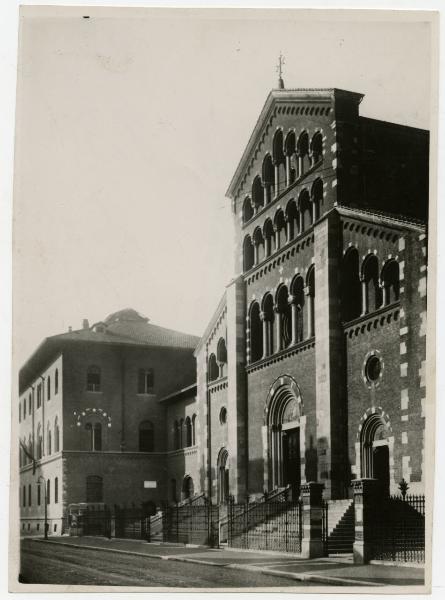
(312, 540)
(365, 497)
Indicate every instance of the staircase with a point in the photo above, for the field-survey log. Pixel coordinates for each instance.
(341, 531)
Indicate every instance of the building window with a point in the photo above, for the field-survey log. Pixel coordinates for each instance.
(39, 395)
(223, 415)
(213, 368)
(48, 388)
(24, 495)
(373, 368)
(56, 490)
(48, 491)
(256, 333)
(194, 430)
(56, 435)
(247, 210)
(248, 253)
(350, 286)
(221, 356)
(95, 436)
(145, 381)
(39, 442)
(188, 432)
(56, 382)
(20, 411)
(391, 282)
(29, 404)
(372, 296)
(48, 440)
(93, 379)
(176, 436)
(29, 495)
(146, 437)
(94, 488)
(39, 498)
(24, 409)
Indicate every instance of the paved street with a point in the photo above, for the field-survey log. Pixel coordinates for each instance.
(41, 563)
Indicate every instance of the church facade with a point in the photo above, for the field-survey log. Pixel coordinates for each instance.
(312, 368)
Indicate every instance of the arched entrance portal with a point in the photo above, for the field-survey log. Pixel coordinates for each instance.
(375, 451)
(223, 476)
(284, 436)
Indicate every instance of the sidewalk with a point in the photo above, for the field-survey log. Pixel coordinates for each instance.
(335, 571)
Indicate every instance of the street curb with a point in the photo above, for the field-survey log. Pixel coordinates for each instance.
(293, 576)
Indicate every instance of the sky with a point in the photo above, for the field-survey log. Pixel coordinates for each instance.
(129, 127)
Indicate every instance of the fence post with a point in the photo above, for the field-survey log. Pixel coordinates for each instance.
(364, 508)
(312, 542)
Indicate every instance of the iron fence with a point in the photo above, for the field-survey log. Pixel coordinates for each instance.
(191, 524)
(325, 527)
(268, 525)
(92, 522)
(399, 529)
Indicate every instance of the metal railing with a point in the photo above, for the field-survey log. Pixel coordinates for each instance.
(399, 529)
(192, 523)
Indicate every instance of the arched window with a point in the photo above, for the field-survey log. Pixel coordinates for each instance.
(56, 490)
(48, 491)
(303, 153)
(193, 430)
(268, 173)
(56, 382)
(292, 220)
(223, 475)
(268, 324)
(20, 411)
(269, 238)
(213, 368)
(257, 193)
(24, 495)
(289, 150)
(48, 439)
(284, 318)
(247, 209)
(181, 433)
(279, 160)
(39, 442)
(39, 395)
(256, 333)
(188, 432)
(258, 242)
(305, 210)
(350, 287)
(280, 227)
(39, 494)
(317, 147)
(391, 282)
(372, 291)
(29, 403)
(317, 199)
(24, 409)
(93, 379)
(248, 253)
(221, 356)
(94, 488)
(310, 283)
(95, 436)
(176, 436)
(29, 495)
(188, 489)
(145, 381)
(48, 388)
(56, 435)
(297, 292)
(146, 437)
(30, 449)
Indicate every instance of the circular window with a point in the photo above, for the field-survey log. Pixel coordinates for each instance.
(373, 368)
(223, 415)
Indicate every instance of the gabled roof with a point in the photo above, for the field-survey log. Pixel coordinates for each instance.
(278, 95)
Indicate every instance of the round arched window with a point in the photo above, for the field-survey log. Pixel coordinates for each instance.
(373, 368)
(223, 415)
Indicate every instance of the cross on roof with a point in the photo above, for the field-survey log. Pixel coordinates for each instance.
(279, 69)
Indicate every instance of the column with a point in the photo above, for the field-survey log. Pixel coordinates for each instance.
(312, 540)
(278, 342)
(310, 311)
(277, 180)
(267, 246)
(288, 228)
(265, 336)
(287, 171)
(293, 305)
(255, 253)
(365, 499)
(300, 165)
(364, 297)
(300, 221)
(314, 211)
(277, 237)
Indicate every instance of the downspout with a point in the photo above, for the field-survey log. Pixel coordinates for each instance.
(122, 401)
(33, 450)
(43, 415)
(209, 430)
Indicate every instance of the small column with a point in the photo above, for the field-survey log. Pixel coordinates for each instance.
(300, 221)
(267, 244)
(365, 499)
(277, 181)
(277, 237)
(312, 540)
(287, 171)
(293, 305)
(314, 211)
(255, 254)
(364, 297)
(288, 229)
(265, 336)
(278, 343)
(300, 165)
(310, 311)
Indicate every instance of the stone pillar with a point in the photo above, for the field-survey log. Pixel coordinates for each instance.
(265, 336)
(277, 180)
(364, 297)
(255, 253)
(300, 221)
(312, 540)
(287, 171)
(365, 499)
(288, 229)
(300, 165)
(237, 389)
(314, 211)
(310, 311)
(277, 237)
(278, 341)
(293, 306)
(267, 246)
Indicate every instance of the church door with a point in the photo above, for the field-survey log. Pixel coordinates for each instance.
(381, 466)
(291, 458)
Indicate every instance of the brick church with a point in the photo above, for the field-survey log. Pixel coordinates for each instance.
(312, 367)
